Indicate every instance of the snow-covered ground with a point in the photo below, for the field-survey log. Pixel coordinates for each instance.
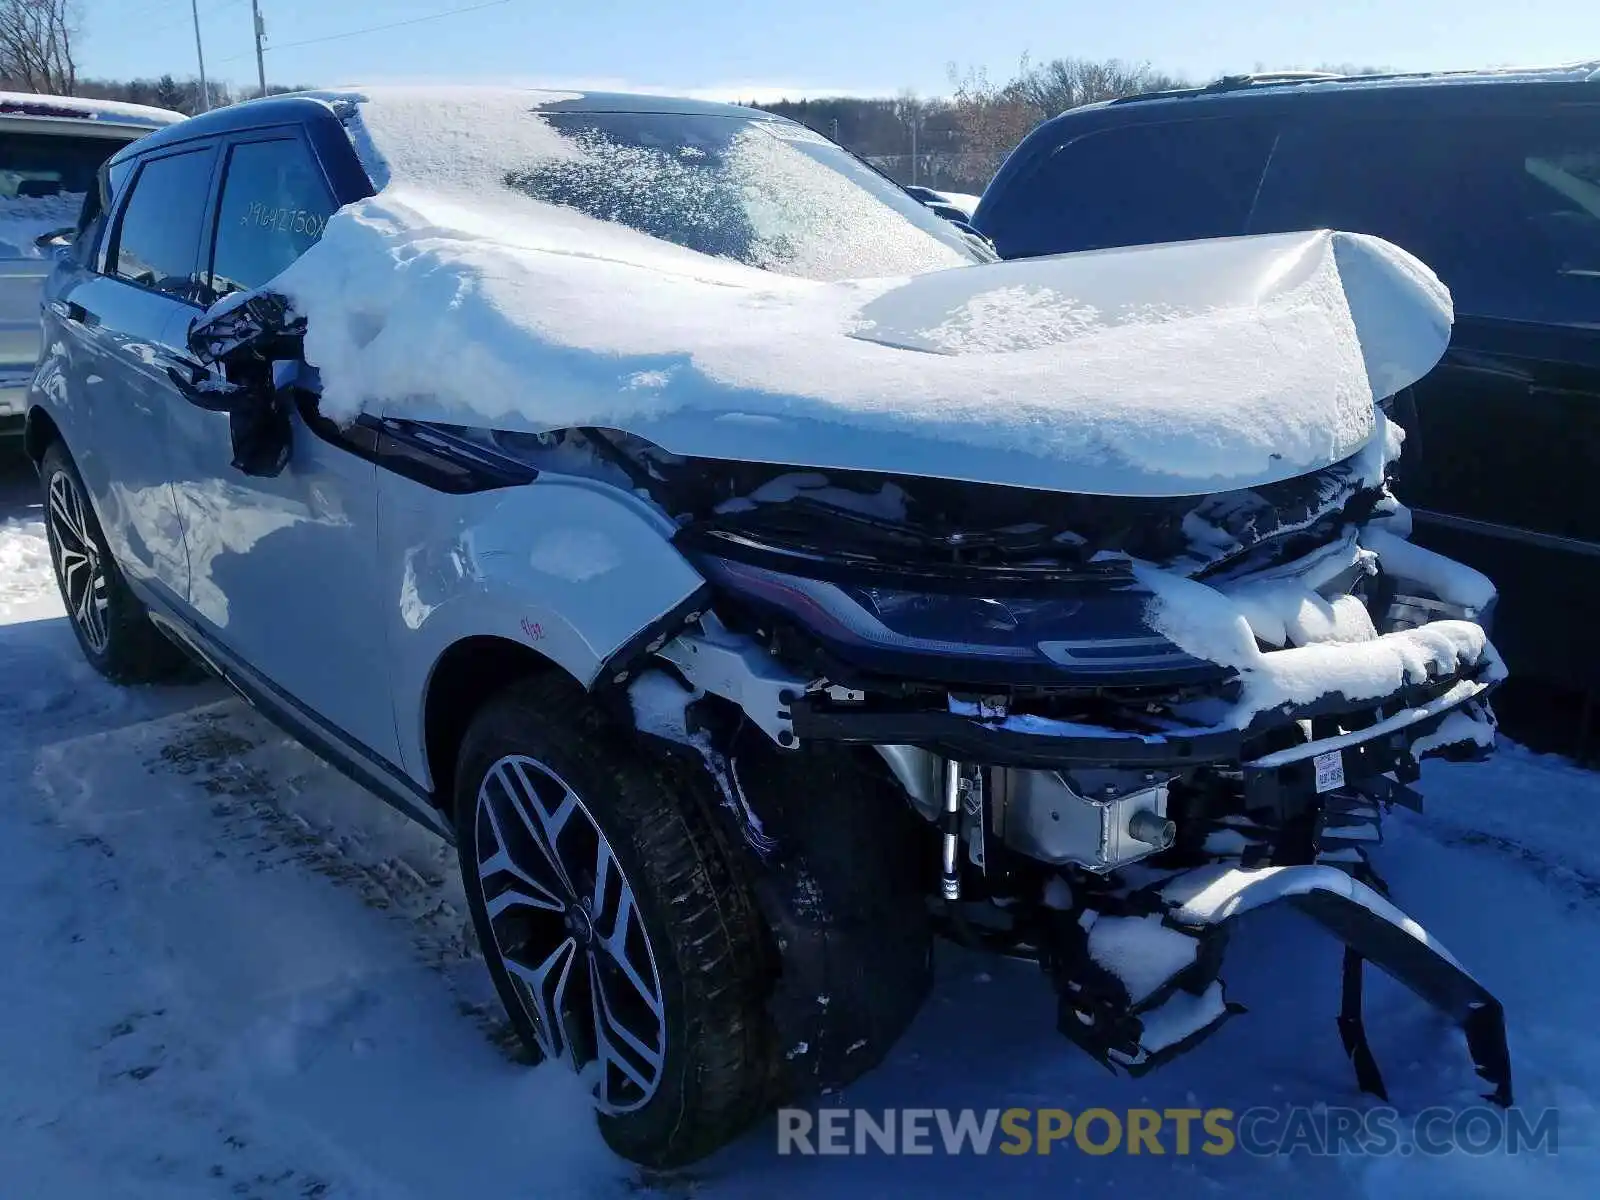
(230, 973)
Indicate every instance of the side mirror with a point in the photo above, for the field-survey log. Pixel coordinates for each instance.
(250, 338)
(246, 325)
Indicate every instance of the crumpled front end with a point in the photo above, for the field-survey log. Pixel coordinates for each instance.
(1167, 810)
(1122, 720)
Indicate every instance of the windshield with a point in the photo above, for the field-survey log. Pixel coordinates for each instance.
(768, 194)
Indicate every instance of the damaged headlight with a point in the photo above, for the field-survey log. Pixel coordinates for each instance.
(1089, 635)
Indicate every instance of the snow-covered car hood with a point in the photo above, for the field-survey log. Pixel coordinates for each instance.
(1180, 369)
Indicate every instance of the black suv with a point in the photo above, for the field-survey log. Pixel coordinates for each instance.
(1491, 178)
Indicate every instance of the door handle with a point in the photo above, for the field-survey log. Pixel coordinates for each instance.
(189, 378)
(70, 310)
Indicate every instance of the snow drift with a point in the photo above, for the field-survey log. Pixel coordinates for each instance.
(1166, 370)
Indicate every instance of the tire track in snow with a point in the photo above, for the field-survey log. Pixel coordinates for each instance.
(201, 1098)
(261, 780)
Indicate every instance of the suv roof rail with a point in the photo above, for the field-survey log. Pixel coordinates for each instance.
(1235, 83)
(1228, 82)
(1585, 72)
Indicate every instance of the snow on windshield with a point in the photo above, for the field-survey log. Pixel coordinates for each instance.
(767, 194)
(1168, 370)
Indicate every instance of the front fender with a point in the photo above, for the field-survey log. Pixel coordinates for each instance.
(576, 570)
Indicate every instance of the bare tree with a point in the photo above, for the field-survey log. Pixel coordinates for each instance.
(1064, 83)
(991, 118)
(912, 114)
(36, 45)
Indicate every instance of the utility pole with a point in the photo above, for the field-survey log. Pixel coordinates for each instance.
(916, 119)
(261, 33)
(199, 50)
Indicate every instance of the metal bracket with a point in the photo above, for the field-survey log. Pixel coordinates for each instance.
(737, 669)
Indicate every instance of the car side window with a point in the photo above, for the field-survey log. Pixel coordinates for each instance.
(273, 208)
(1137, 184)
(157, 240)
(1506, 209)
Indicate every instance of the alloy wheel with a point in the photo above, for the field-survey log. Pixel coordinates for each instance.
(79, 567)
(567, 926)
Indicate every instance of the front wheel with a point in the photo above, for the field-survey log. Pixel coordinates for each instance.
(614, 922)
(111, 625)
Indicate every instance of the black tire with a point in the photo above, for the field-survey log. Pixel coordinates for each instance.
(701, 928)
(112, 627)
(847, 900)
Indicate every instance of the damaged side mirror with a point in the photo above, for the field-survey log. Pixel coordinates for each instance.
(248, 348)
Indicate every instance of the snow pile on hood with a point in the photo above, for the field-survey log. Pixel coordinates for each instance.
(1167, 370)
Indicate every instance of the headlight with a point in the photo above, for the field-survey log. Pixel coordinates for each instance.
(1092, 635)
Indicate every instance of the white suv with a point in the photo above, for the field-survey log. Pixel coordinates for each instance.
(50, 149)
(752, 577)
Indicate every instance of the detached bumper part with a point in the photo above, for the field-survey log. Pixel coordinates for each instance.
(1137, 1024)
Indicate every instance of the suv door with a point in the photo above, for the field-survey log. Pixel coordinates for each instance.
(1500, 454)
(282, 568)
(114, 323)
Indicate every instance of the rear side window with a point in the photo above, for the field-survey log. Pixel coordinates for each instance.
(44, 180)
(157, 241)
(1505, 209)
(273, 208)
(1134, 184)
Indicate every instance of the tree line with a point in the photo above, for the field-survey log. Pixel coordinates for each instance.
(955, 143)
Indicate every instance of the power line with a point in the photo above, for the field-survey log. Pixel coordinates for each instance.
(334, 37)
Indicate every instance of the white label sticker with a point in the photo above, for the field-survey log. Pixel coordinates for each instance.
(1330, 770)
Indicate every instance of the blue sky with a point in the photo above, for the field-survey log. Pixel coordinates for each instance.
(753, 49)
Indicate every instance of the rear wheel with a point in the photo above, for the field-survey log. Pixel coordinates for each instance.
(111, 625)
(615, 924)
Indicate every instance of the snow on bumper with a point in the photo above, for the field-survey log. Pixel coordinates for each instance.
(1442, 674)
(1159, 993)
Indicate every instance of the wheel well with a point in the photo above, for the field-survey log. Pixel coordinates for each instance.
(37, 434)
(466, 675)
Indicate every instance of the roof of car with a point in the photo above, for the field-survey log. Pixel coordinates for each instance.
(1303, 94)
(35, 107)
(272, 110)
(1332, 86)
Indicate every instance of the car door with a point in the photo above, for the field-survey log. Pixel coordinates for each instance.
(282, 568)
(1504, 204)
(115, 325)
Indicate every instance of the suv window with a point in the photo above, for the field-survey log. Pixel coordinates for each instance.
(157, 242)
(1505, 209)
(273, 208)
(43, 181)
(1165, 182)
